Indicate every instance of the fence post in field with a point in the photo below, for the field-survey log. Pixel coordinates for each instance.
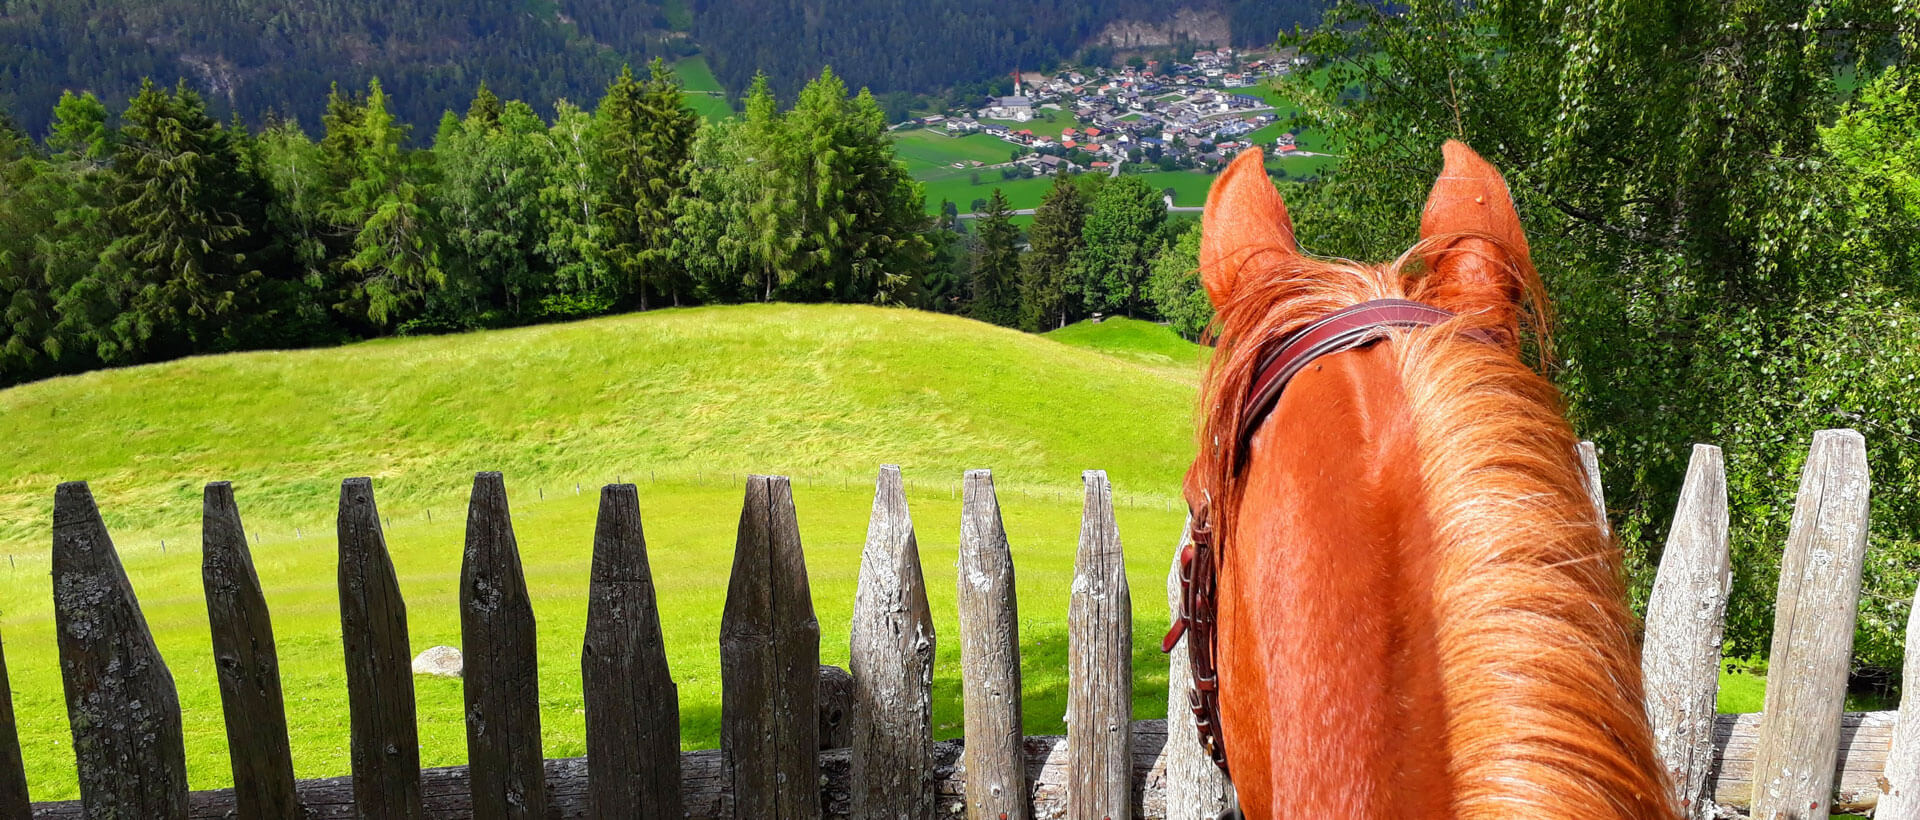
(385, 745)
(14, 802)
(500, 670)
(1813, 633)
(1900, 782)
(245, 660)
(769, 666)
(891, 659)
(1685, 615)
(1099, 667)
(995, 760)
(633, 707)
(121, 700)
(1590, 471)
(1196, 788)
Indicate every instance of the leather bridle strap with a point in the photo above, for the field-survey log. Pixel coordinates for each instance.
(1346, 329)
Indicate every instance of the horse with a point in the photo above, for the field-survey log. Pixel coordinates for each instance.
(1416, 611)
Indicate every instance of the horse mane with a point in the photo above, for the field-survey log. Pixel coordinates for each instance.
(1538, 654)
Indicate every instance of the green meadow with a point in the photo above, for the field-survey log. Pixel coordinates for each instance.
(682, 402)
(704, 94)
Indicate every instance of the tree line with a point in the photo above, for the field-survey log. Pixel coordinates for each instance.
(165, 232)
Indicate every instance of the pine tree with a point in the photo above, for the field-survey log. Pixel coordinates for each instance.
(646, 136)
(178, 238)
(996, 267)
(485, 109)
(1046, 274)
(396, 253)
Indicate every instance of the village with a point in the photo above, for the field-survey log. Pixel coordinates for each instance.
(1187, 115)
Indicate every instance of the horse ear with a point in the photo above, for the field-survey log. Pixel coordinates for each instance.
(1476, 255)
(1245, 217)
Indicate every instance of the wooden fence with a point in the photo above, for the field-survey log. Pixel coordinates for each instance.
(800, 741)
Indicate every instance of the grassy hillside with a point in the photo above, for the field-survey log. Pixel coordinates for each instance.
(681, 401)
(1142, 341)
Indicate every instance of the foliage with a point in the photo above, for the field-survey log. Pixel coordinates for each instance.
(1173, 285)
(1716, 272)
(996, 265)
(1046, 275)
(1121, 235)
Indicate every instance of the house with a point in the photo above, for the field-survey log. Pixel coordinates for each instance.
(1018, 109)
(996, 129)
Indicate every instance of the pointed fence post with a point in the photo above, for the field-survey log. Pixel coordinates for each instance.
(246, 663)
(14, 802)
(1685, 615)
(1900, 784)
(769, 666)
(501, 673)
(633, 707)
(891, 659)
(121, 701)
(385, 743)
(1813, 632)
(1196, 788)
(1590, 470)
(995, 760)
(1099, 667)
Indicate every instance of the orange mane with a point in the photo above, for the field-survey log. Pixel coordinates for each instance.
(1541, 710)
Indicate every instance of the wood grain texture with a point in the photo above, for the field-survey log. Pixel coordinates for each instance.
(1589, 457)
(632, 704)
(1813, 631)
(989, 658)
(15, 803)
(385, 744)
(1864, 737)
(891, 660)
(1099, 665)
(1685, 616)
(246, 661)
(1196, 788)
(769, 665)
(121, 701)
(501, 674)
(1900, 787)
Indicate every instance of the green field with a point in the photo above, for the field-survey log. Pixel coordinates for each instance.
(931, 150)
(1021, 193)
(705, 95)
(1147, 342)
(681, 401)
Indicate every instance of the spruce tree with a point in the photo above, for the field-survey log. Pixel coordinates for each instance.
(646, 136)
(177, 177)
(396, 254)
(996, 265)
(1046, 275)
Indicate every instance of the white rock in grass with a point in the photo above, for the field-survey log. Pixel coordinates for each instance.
(440, 662)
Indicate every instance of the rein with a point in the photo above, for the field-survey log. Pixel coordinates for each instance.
(1346, 329)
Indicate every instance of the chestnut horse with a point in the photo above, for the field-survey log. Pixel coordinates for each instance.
(1419, 615)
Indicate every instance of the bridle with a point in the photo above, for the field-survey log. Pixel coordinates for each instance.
(1346, 329)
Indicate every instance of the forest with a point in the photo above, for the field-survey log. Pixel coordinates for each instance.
(261, 59)
(167, 232)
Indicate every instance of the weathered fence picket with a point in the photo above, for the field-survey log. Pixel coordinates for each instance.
(1685, 614)
(500, 670)
(891, 660)
(385, 744)
(1900, 782)
(1813, 632)
(14, 802)
(802, 740)
(246, 661)
(1099, 666)
(120, 697)
(1196, 788)
(769, 665)
(990, 658)
(632, 704)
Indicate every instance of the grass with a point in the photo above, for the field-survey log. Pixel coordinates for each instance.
(705, 95)
(926, 150)
(681, 400)
(1020, 193)
(1147, 342)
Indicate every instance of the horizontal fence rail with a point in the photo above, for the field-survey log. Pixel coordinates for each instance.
(801, 740)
